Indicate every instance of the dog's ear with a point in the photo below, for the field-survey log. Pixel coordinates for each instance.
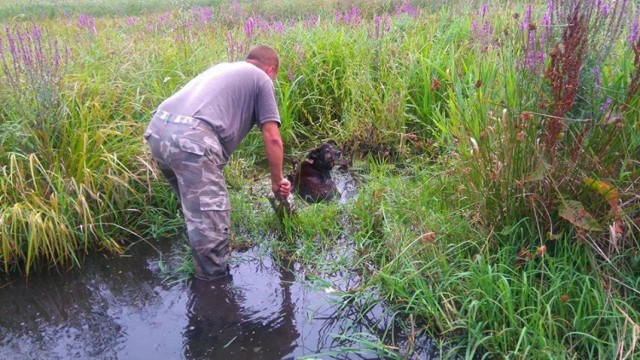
(332, 142)
(313, 154)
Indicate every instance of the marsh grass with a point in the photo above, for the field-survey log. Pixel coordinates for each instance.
(463, 221)
(107, 8)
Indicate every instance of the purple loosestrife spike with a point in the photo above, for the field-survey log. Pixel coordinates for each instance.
(526, 19)
(262, 25)
(82, 20)
(202, 14)
(487, 29)
(356, 17)
(36, 33)
(280, 27)
(24, 47)
(605, 106)
(633, 34)
(248, 28)
(13, 49)
(408, 9)
(597, 76)
(164, 18)
(236, 7)
(39, 53)
(546, 28)
(484, 9)
(56, 55)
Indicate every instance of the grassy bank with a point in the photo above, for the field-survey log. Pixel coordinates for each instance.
(496, 148)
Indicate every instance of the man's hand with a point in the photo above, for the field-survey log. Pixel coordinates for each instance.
(282, 188)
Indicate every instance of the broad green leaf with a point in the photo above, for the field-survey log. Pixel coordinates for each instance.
(575, 213)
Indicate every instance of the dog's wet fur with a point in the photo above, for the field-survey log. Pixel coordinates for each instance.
(312, 178)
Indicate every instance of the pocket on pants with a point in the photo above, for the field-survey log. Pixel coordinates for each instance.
(191, 146)
(214, 203)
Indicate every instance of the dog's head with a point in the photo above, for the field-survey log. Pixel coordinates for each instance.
(324, 157)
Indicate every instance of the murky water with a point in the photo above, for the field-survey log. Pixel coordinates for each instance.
(120, 308)
(123, 307)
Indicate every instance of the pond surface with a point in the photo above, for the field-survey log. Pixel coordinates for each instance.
(122, 307)
(126, 307)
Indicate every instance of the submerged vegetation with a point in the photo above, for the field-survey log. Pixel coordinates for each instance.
(496, 147)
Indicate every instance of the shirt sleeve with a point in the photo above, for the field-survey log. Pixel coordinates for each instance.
(266, 106)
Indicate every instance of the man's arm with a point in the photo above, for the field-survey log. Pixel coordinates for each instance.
(274, 150)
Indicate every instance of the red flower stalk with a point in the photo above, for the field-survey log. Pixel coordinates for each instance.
(564, 72)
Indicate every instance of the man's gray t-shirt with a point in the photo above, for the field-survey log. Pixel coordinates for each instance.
(231, 97)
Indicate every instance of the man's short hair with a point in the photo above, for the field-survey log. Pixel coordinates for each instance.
(264, 55)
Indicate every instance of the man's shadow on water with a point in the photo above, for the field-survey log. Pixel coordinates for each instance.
(221, 323)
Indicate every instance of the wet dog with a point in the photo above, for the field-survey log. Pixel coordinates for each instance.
(312, 178)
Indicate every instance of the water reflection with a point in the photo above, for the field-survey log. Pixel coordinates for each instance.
(53, 314)
(220, 320)
(122, 308)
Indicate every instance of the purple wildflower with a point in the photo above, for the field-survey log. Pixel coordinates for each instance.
(279, 28)
(202, 14)
(526, 20)
(606, 105)
(487, 29)
(381, 26)
(82, 20)
(262, 25)
(351, 16)
(311, 21)
(547, 30)
(88, 22)
(484, 9)
(633, 34)
(482, 32)
(36, 69)
(597, 75)
(408, 9)
(236, 7)
(248, 28)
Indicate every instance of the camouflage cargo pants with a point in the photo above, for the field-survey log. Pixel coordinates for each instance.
(190, 156)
